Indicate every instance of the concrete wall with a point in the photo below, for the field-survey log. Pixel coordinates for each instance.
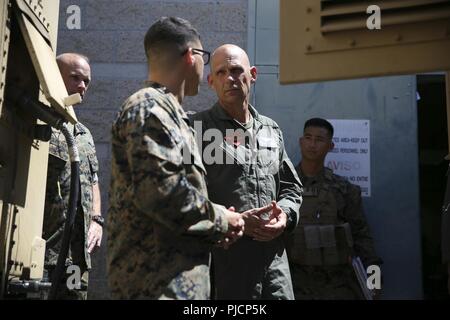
(111, 35)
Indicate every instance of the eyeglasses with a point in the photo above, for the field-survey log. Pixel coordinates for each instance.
(205, 54)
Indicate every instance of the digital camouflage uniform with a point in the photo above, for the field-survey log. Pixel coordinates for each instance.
(259, 172)
(161, 224)
(332, 228)
(57, 201)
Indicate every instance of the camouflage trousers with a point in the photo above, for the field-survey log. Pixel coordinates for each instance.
(76, 257)
(325, 283)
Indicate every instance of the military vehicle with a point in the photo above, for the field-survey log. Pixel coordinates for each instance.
(32, 97)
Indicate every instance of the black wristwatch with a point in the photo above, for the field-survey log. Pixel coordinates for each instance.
(99, 219)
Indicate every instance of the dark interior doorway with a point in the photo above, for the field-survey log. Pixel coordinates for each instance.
(433, 147)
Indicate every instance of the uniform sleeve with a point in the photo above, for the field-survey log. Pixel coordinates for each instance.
(362, 239)
(290, 192)
(160, 186)
(92, 155)
(54, 204)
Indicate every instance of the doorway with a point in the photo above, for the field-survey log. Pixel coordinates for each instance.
(433, 147)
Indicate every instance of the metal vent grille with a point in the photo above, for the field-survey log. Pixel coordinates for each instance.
(344, 15)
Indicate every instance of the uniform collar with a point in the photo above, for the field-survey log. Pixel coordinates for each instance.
(328, 173)
(156, 85)
(162, 89)
(325, 174)
(220, 113)
(79, 129)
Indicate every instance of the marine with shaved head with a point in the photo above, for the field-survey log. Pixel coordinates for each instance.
(88, 227)
(260, 182)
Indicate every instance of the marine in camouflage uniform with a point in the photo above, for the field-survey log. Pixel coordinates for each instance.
(332, 227)
(161, 224)
(76, 73)
(57, 201)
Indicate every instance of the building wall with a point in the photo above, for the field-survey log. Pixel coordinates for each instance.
(112, 35)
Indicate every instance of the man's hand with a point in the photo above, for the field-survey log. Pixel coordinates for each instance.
(94, 236)
(253, 219)
(235, 228)
(95, 230)
(274, 228)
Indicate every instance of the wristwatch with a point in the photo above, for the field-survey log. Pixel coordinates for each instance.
(99, 219)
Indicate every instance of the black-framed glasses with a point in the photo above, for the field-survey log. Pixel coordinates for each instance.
(205, 54)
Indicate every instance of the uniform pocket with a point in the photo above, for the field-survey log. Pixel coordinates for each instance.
(93, 163)
(269, 152)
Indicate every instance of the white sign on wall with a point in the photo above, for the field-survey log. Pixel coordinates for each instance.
(350, 157)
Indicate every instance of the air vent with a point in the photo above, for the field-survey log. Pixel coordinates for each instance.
(344, 15)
